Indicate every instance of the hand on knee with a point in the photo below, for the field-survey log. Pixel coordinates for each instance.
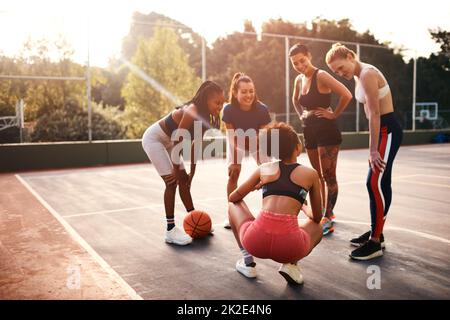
(170, 180)
(183, 178)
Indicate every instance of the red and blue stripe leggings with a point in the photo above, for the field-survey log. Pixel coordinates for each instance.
(379, 183)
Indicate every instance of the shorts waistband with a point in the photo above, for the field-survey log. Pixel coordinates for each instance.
(277, 215)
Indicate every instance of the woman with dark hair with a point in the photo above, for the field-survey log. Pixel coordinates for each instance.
(312, 99)
(385, 137)
(244, 116)
(275, 233)
(160, 139)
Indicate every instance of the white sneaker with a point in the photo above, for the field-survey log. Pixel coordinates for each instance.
(226, 224)
(249, 272)
(178, 236)
(292, 273)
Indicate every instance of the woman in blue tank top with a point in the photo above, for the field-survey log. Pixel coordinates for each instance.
(312, 99)
(244, 116)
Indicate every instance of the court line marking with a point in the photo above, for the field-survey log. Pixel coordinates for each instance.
(112, 211)
(418, 233)
(75, 236)
(429, 184)
(77, 172)
(434, 176)
(421, 234)
(134, 208)
(363, 181)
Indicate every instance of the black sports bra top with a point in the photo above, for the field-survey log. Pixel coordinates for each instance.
(314, 99)
(171, 125)
(284, 185)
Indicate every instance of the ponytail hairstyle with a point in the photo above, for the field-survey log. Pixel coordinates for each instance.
(288, 140)
(238, 78)
(338, 51)
(298, 48)
(200, 100)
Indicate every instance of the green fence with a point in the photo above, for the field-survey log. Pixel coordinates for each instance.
(22, 157)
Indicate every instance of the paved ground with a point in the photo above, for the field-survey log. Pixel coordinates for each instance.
(112, 218)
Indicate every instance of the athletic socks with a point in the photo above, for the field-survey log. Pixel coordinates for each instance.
(170, 223)
(248, 258)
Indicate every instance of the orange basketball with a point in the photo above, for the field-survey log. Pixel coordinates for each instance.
(197, 224)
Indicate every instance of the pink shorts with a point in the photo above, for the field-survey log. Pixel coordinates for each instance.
(275, 236)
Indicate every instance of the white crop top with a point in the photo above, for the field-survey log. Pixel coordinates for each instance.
(360, 95)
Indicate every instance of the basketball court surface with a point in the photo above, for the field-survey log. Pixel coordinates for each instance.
(116, 215)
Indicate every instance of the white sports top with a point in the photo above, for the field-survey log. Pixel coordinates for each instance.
(360, 95)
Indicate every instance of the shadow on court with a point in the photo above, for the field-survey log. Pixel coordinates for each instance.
(119, 214)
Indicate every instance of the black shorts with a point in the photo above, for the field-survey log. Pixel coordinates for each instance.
(322, 135)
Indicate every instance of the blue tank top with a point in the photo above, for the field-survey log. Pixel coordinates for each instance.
(284, 185)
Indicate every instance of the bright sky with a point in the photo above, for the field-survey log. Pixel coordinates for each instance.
(403, 23)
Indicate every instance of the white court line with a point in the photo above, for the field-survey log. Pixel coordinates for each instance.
(110, 271)
(429, 184)
(418, 233)
(363, 181)
(434, 176)
(101, 178)
(77, 172)
(129, 185)
(134, 208)
(112, 211)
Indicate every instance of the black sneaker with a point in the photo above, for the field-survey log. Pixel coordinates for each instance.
(362, 239)
(367, 251)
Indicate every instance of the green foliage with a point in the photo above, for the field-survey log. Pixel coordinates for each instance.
(264, 61)
(172, 58)
(10, 135)
(143, 27)
(40, 96)
(70, 123)
(442, 37)
(10, 90)
(162, 60)
(46, 96)
(107, 86)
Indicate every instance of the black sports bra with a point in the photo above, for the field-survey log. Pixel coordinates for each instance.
(314, 99)
(284, 185)
(171, 126)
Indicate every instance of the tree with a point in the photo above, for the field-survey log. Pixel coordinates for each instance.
(46, 96)
(162, 60)
(10, 90)
(264, 60)
(108, 85)
(433, 74)
(143, 27)
(442, 37)
(223, 59)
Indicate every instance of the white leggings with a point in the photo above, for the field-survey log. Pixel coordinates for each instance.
(158, 147)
